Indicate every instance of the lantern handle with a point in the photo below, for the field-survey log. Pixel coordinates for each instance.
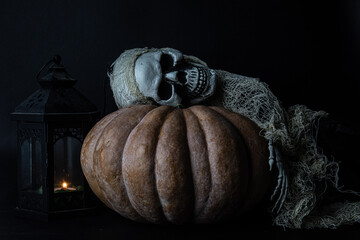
(56, 59)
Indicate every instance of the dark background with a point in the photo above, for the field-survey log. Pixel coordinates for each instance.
(308, 52)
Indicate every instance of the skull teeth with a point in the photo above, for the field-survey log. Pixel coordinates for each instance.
(197, 79)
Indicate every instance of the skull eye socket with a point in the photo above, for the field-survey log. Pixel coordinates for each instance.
(166, 62)
(164, 90)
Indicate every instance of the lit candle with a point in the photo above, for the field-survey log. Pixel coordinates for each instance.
(64, 185)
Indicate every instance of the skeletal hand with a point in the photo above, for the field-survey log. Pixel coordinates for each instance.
(282, 184)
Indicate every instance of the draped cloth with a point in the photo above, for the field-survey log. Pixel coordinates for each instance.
(294, 131)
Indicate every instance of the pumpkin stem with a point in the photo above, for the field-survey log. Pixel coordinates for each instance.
(180, 106)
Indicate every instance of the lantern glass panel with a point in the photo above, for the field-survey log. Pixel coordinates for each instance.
(31, 166)
(67, 168)
(68, 177)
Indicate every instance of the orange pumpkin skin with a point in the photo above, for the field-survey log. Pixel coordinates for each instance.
(163, 164)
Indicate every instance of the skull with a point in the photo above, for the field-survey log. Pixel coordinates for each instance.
(171, 78)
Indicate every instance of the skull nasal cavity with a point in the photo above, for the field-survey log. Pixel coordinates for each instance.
(166, 62)
(182, 77)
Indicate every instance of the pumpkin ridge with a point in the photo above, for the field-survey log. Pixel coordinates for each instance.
(172, 172)
(189, 163)
(228, 167)
(247, 152)
(98, 152)
(170, 110)
(141, 218)
(99, 141)
(205, 203)
(133, 192)
(258, 159)
(95, 133)
(197, 212)
(109, 119)
(192, 184)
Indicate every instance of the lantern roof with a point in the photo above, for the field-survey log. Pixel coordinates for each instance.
(56, 74)
(57, 99)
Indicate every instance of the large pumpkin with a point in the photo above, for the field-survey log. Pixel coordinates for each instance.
(163, 164)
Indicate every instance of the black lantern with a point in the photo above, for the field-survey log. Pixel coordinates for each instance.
(51, 126)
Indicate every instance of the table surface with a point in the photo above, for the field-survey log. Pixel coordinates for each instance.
(106, 224)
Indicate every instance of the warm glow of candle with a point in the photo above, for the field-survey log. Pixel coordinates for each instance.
(64, 185)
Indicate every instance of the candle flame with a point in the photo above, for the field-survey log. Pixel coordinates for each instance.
(64, 185)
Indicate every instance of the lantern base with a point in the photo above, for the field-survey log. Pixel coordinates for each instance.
(48, 216)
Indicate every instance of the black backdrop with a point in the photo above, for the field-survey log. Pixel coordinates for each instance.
(307, 52)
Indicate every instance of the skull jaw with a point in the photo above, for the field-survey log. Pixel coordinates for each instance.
(208, 92)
